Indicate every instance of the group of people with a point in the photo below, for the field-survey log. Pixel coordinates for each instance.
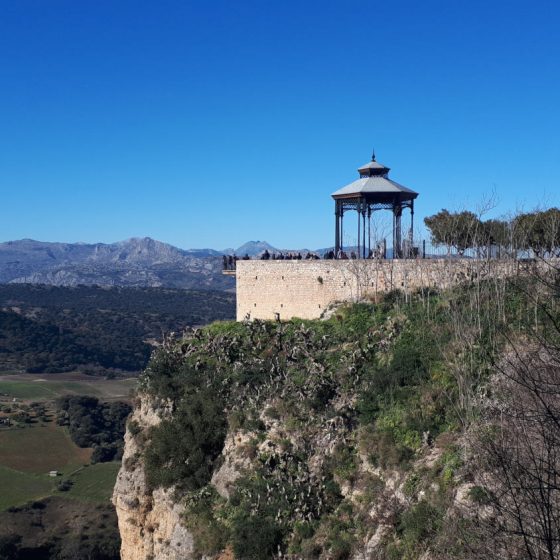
(266, 256)
(230, 261)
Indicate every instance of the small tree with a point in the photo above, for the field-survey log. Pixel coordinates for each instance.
(539, 231)
(516, 451)
(461, 230)
(496, 232)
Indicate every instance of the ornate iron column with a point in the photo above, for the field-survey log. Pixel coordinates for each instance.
(359, 208)
(369, 229)
(341, 225)
(338, 216)
(397, 235)
(412, 224)
(364, 229)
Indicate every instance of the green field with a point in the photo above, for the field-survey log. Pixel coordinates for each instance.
(28, 453)
(17, 487)
(40, 449)
(26, 390)
(94, 483)
(41, 390)
(52, 386)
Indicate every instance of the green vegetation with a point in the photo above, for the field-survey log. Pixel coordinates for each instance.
(415, 527)
(46, 329)
(255, 537)
(321, 404)
(20, 487)
(94, 483)
(28, 454)
(72, 510)
(36, 451)
(188, 459)
(537, 231)
(45, 389)
(40, 387)
(210, 533)
(58, 528)
(26, 390)
(391, 357)
(461, 230)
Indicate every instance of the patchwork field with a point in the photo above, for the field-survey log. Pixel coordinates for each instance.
(28, 453)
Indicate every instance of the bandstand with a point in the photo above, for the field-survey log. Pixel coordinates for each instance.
(373, 191)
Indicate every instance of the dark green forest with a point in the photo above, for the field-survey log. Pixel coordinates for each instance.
(47, 329)
(96, 424)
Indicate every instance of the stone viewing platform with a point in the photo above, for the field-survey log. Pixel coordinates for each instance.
(283, 289)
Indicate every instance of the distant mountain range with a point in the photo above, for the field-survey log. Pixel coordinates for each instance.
(135, 262)
(252, 248)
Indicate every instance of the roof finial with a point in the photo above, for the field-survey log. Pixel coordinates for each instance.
(373, 155)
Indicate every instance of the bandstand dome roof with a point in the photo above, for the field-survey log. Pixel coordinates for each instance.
(374, 180)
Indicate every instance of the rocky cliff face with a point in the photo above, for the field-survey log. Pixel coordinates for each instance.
(323, 440)
(149, 521)
(388, 431)
(152, 523)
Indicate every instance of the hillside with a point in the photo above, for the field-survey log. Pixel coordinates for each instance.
(50, 329)
(376, 434)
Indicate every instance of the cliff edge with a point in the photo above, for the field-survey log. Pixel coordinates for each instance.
(363, 436)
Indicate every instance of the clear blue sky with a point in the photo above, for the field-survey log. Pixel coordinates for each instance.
(209, 123)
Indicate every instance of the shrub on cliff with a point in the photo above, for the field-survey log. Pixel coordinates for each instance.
(183, 449)
(255, 537)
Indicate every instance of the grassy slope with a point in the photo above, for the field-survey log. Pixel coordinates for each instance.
(19, 487)
(94, 483)
(51, 386)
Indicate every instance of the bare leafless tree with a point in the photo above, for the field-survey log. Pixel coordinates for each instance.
(516, 444)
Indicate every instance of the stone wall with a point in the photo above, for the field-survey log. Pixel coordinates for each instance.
(285, 289)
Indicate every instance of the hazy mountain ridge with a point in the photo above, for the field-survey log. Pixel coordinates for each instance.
(140, 262)
(134, 262)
